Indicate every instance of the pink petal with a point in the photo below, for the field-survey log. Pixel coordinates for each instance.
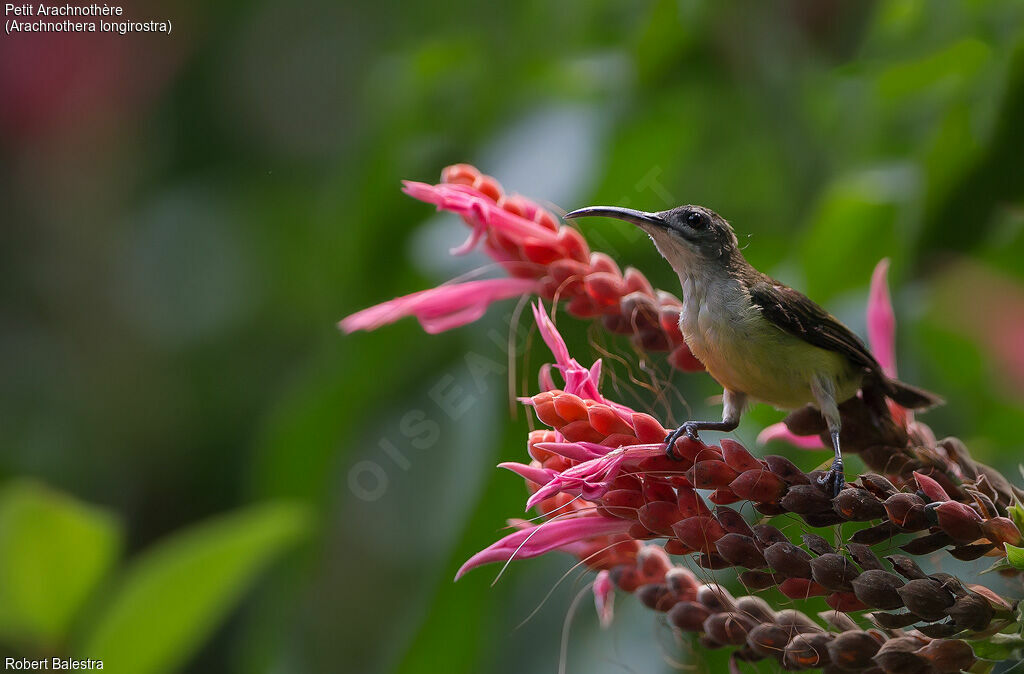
(882, 320)
(780, 431)
(543, 538)
(604, 597)
(441, 308)
(531, 473)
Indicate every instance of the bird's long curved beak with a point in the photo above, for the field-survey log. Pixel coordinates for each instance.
(640, 218)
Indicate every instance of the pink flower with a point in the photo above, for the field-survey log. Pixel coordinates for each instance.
(534, 540)
(441, 308)
(604, 597)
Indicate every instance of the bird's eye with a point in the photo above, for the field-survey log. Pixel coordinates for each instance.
(695, 219)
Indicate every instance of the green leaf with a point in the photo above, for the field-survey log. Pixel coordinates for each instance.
(998, 646)
(176, 594)
(54, 550)
(1014, 556)
(1016, 512)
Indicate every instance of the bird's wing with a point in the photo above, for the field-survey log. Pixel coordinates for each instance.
(793, 312)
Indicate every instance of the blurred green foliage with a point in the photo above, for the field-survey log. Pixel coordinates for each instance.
(182, 233)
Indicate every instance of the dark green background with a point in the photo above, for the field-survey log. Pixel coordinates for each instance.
(187, 216)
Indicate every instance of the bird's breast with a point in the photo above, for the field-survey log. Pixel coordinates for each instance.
(744, 352)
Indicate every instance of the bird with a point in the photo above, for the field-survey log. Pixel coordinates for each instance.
(758, 338)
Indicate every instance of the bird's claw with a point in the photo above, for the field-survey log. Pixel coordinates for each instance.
(688, 429)
(833, 480)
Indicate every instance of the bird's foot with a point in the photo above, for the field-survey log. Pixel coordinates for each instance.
(688, 429)
(833, 480)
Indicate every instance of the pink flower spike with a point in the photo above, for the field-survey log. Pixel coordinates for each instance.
(442, 308)
(780, 431)
(604, 597)
(576, 451)
(537, 540)
(882, 320)
(590, 479)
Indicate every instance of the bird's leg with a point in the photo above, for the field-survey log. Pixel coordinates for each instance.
(824, 393)
(734, 403)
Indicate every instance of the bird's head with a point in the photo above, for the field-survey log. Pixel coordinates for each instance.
(687, 236)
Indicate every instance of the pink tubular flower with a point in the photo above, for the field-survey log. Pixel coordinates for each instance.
(542, 258)
(604, 597)
(533, 540)
(441, 308)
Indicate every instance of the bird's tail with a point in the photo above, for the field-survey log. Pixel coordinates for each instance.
(909, 396)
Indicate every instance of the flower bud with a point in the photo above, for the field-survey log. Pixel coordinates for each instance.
(770, 640)
(766, 534)
(864, 556)
(894, 621)
(716, 598)
(906, 511)
(876, 534)
(788, 560)
(1001, 530)
(816, 544)
(653, 561)
(728, 628)
(845, 602)
(971, 612)
(711, 474)
(853, 650)
(833, 572)
(755, 608)
(925, 545)
(738, 458)
(948, 656)
(898, 656)
(740, 550)
(785, 469)
(806, 499)
(878, 589)
(959, 521)
(656, 596)
(927, 598)
(659, 516)
(759, 485)
(801, 588)
(712, 561)
(689, 616)
(682, 582)
(797, 620)
(938, 630)
(623, 503)
(858, 505)
(732, 521)
(906, 567)
(878, 485)
(808, 651)
(969, 553)
(758, 580)
(699, 533)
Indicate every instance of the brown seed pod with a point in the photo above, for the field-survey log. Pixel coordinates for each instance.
(878, 589)
(806, 499)
(758, 580)
(656, 596)
(786, 469)
(689, 616)
(864, 556)
(716, 598)
(898, 656)
(711, 474)
(732, 521)
(755, 608)
(894, 621)
(712, 561)
(858, 505)
(740, 550)
(797, 620)
(925, 545)
(816, 544)
(971, 612)
(729, 628)
(959, 521)
(852, 650)
(699, 533)
(906, 511)
(969, 553)
(876, 534)
(759, 485)
(788, 560)
(948, 656)
(770, 639)
(927, 598)
(766, 534)
(938, 630)
(906, 567)
(878, 485)
(833, 572)
(808, 651)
